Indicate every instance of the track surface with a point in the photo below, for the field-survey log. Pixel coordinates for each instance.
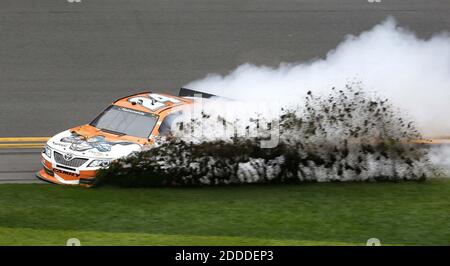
(61, 62)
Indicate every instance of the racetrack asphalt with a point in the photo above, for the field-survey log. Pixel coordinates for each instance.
(61, 63)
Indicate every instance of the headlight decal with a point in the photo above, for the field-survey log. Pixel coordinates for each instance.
(47, 151)
(99, 163)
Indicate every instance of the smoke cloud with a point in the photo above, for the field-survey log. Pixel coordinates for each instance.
(388, 60)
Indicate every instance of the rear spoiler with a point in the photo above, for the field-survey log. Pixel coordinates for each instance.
(193, 93)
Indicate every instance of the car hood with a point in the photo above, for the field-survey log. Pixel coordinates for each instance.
(98, 146)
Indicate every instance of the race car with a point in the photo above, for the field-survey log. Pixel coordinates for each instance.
(129, 124)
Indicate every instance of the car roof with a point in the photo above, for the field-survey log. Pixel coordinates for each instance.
(150, 102)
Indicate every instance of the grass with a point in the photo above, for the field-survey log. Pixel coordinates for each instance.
(406, 213)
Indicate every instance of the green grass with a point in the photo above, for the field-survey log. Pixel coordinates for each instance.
(406, 213)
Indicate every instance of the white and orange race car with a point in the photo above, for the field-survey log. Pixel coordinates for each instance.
(73, 156)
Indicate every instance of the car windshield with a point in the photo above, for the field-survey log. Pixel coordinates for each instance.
(124, 121)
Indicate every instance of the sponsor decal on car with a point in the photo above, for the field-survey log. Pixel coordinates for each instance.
(59, 171)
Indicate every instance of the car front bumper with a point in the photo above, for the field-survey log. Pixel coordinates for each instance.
(56, 175)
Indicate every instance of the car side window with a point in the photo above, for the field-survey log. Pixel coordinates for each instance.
(166, 125)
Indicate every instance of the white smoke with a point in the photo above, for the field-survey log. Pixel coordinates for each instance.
(388, 60)
(440, 157)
